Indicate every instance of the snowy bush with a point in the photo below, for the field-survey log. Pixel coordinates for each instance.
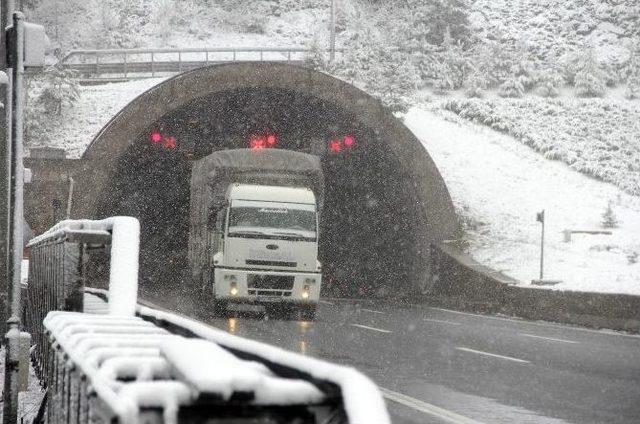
(633, 89)
(116, 23)
(512, 87)
(476, 84)
(590, 79)
(548, 83)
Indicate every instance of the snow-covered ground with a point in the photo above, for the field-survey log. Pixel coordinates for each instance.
(498, 185)
(28, 401)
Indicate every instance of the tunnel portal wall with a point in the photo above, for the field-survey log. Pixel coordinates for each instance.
(397, 163)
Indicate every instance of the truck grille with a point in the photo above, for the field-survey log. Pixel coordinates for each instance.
(271, 263)
(269, 282)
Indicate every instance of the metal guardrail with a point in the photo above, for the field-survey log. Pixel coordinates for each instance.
(125, 363)
(126, 63)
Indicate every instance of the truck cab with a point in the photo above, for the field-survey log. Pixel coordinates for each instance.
(267, 247)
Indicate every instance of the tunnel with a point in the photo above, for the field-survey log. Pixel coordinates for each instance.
(385, 207)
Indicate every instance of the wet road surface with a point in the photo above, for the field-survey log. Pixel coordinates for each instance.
(441, 366)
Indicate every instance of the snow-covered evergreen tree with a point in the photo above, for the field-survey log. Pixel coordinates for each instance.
(454, 66)
(590, 78)
(48, 94)
(164, 17)
(632, 73)
(495, 58)
(609, 219)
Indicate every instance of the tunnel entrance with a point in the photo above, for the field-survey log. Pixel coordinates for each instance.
(370, 217)
(385, 201)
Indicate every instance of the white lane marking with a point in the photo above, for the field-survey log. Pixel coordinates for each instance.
(326, 302)
(549, 338)
(441, 321)
(542, 324)
(427, 408)
(371, 328)
(481, 352)
(373, 311)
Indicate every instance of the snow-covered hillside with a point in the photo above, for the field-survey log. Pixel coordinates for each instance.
(598, 137)
(553, 28)
(498, 185)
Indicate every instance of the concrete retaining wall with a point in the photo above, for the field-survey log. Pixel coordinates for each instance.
(462, 283)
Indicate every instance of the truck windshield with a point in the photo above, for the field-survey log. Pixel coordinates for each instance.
(272, 221)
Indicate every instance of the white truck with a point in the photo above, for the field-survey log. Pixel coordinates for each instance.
(253, 236)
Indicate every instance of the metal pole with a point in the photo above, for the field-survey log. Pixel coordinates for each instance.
(542, 248)
(15, 235)
(332, 32)
(5, 168)
(70, 197)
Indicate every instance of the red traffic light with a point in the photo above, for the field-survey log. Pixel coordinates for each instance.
(263, 141)
(349, 141)
(155, 137)
(337, 145)
(167, 141)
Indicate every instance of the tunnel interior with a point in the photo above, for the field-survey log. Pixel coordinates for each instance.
(371, 217)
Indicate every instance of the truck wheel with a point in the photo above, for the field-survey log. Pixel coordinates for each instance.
(308, 313)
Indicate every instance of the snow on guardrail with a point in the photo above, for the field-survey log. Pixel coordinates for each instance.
(125, 241)
(363, 401)
(137, 368)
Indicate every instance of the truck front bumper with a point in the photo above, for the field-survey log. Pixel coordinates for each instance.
(266, 287)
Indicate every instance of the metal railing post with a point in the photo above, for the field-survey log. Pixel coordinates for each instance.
(153, 71)
(179, 61)
(125, 65)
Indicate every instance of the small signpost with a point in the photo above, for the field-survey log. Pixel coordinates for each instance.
(540, 219)
(541, 281)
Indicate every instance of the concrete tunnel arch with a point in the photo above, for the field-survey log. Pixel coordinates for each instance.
(425, 193)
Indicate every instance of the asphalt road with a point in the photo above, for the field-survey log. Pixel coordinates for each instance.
(436, 365)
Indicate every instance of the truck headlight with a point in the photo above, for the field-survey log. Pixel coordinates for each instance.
(305, 292)
(233, 290)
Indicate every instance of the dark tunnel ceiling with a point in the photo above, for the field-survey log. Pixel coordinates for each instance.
(371, 216)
